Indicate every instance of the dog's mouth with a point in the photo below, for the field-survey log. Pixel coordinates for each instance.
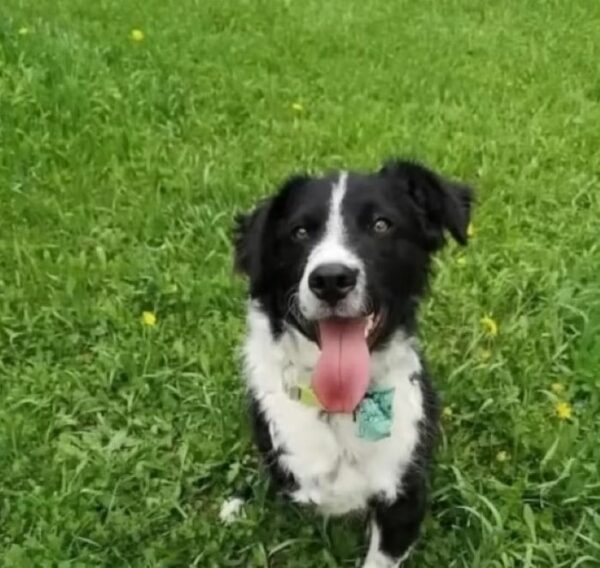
(373, 325)
(341, 377)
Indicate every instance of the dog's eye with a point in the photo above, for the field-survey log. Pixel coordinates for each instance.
(381, 226)
(300, 233)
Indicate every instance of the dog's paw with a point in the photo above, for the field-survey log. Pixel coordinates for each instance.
(379, 560)
(231, 510)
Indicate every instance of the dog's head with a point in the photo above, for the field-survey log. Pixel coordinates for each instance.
(349, 248)
(344, 259)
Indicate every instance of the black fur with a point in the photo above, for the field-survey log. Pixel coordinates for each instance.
(421, 205)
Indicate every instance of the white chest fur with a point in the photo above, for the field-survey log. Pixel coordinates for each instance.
(335, 469)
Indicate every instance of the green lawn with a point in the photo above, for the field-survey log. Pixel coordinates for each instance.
(121, 165)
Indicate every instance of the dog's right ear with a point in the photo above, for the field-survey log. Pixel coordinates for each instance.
(253, 239)
(248, 237)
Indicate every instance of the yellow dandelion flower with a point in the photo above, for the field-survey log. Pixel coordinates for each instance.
(298, 107)
(447, 412)
(490, 326)
(557, 388)
(486, 354)
(23, 31)
(149, 319)
(471, 230)
(564, 410)
(137, 35)
(461, 261)
(502, 456)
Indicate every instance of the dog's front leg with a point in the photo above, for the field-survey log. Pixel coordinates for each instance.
(395, 526)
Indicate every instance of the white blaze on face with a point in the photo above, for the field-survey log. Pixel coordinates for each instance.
(333, 248)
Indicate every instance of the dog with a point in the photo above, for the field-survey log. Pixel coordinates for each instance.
(343, 411)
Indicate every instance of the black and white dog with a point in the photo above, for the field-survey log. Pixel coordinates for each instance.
(344, 413)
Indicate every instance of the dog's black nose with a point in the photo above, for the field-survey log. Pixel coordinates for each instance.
(332, 282)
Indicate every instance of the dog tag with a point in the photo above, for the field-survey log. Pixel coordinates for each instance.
(375, 414)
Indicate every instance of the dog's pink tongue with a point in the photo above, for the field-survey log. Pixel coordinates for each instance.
(341, 376)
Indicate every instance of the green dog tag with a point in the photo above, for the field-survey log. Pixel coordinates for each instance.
(375, 414)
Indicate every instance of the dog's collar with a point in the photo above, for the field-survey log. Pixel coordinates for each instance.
(304, 395)
(373, 416)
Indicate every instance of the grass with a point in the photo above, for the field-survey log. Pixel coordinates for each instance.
(121, 165)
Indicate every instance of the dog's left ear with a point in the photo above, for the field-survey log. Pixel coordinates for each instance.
(442, 205)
